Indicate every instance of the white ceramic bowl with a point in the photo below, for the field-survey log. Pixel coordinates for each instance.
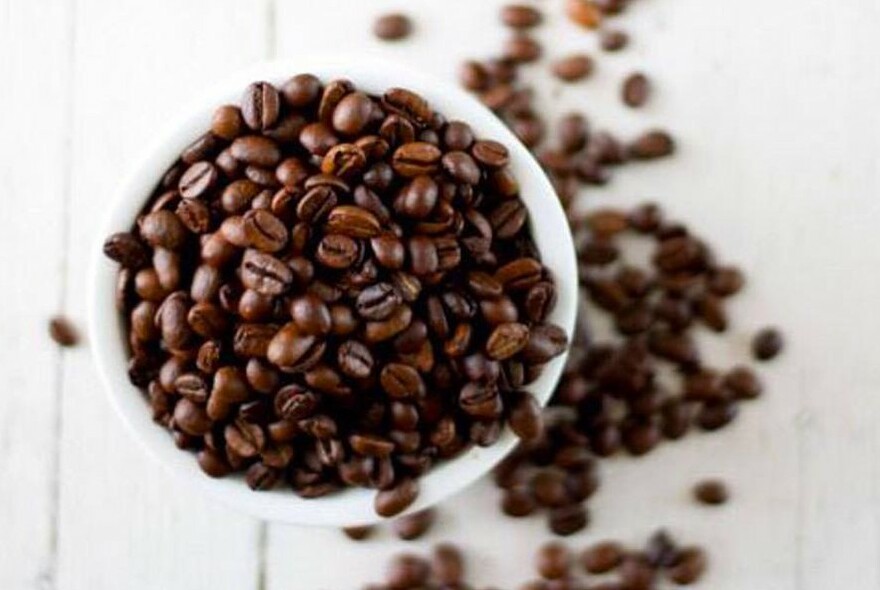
(106, 326)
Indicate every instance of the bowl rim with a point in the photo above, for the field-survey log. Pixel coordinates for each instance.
(550, 231)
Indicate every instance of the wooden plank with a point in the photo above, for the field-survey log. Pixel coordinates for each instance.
(34, 157)
(123, 519)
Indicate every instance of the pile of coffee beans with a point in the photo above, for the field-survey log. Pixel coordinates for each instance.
(606, 565)
(581, 156)
(334, 289)
(610, 397)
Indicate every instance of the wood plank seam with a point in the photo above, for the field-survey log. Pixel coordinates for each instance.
(48, 577)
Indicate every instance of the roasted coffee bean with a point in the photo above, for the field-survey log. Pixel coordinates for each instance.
(651, 145)
(294, 403)
(401, 381)
(490, 153)
(613, 39)
(545, 342)
(414, 525)
(292, 351)
(716, 415)
(395, 500)
(518, 502)
(301, 91)
(265, 274)
(567, 520)
(198, 179)
(418, 198)
(380, 331)
(602, 557)
(311, 315)
(584, 13)
(711, 491)
(358, 533)
(522, 49)
(447, 565)
(553, 561)
(692, 563)
(352, 221)
(520, 274)
(378, 301)
(525, 418)
(260, 106)
(127, 250)
(316, 204)
(264, 231)
(392, 27)
(507, 340)
(520, 16)
(636, 572)
(508, 218)
(63, 332)
(337, 251)
(415, 159)
(743, 383)
(767, 344)
(573, 67)
(635, 90)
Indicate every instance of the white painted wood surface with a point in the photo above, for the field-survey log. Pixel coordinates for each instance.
(776, 108)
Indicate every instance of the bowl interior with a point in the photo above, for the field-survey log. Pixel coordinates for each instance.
(107, 329)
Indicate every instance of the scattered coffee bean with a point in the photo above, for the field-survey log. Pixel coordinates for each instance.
(358, 533)
(63, 331)
(573, 67)
(636, 90)
(413, 526)
(602, 557)
(553, 561)
(712, 492)
(392, 27)
(767, 344)
(613, 39)
(520, 16)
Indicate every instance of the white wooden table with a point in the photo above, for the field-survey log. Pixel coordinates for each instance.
(777, 107)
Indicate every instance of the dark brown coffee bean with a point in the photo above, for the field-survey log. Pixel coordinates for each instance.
(191, 418)
(522, 49)
(380, 331)
(418, 198)
(264, 231)
(525, 418)
(318, 139)
(316, 204)
(292, 351)
(126, 249)
(490, 153)
(353, 114)
(311, 315)
(63, 332)
(294, 403)
(195, 215)
(337, 251)
(507, 340)
(651, 145)
(393, 501)
(567, 520)
(553, 561)
(392, 27)
(358, 533)
(461, 167)
(520, 274)
(227, 122)
(301, 91)
(613, 39)
(447, 565)
(416, 158)
(767, 344)
(548, 487)
(573, 67)
(520, 16)
(711, 492)
(260, 105)
(414, 525)
(716, 415)
(636, 573)
(378, 301)
(518, 502)
(508, 218)
(545, 342)
(743, 383)
(352, 221)
(635, 90)
(265, 274)
(692, 563)
(212, 463)
(252, 340)
(401, 381)
(163, 229)
(602, 557)
(198, 179)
